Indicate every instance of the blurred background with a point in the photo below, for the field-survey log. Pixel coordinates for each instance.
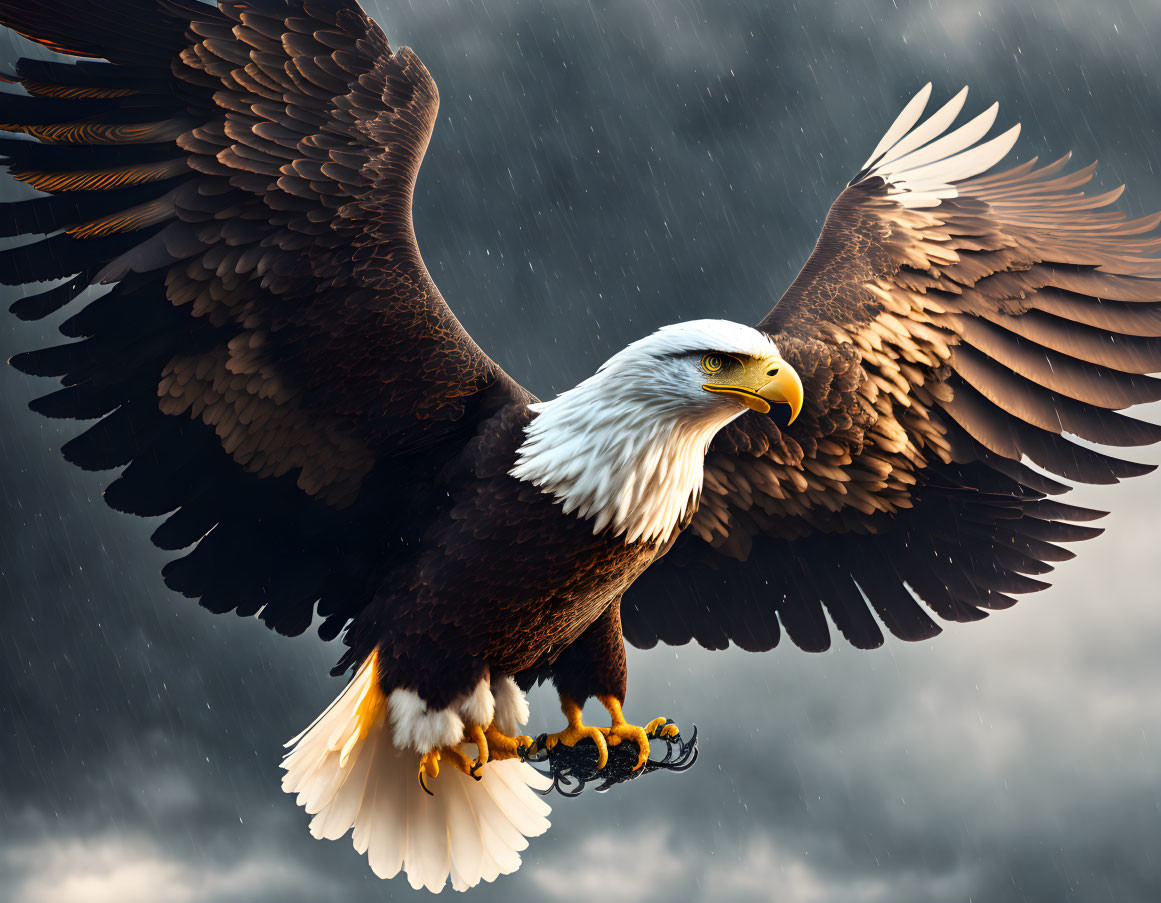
(600, 169)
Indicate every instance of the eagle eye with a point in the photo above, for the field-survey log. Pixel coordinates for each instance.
(712, 363)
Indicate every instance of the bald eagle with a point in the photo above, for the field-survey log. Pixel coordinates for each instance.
(279, 377)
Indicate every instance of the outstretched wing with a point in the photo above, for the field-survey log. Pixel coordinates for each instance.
(274, 364)
(951, 329)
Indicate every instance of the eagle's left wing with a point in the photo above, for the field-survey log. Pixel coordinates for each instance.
(950, 328)
(273, 367)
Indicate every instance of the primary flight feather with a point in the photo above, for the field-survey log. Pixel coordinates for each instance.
(278, 374)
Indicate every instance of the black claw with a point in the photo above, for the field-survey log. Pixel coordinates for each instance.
(476, 766)
(424, 786)
(572, 768)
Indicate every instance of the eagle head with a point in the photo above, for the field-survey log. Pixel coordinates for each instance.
(705, 369)
(627, 446)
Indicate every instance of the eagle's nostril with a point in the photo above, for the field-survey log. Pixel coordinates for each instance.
(773, 372)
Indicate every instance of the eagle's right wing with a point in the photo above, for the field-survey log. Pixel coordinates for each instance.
(274, 364)
(952, 327)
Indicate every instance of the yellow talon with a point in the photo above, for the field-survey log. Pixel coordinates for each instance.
(429, 765)
(619, 732)
(501, 746)
(576, 731)
(622, 730)
(476, 735)
(660, 727)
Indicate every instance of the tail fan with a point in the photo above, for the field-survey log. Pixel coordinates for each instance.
(348, 773)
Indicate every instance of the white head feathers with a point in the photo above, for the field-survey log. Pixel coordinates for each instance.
(627, 446)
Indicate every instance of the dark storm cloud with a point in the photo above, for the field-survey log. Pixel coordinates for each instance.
(598, 170)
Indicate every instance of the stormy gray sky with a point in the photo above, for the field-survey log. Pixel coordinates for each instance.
(600, 169)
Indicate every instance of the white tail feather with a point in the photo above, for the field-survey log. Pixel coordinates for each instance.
(348, 773)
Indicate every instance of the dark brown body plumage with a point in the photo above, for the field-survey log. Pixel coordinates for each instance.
(502, 580)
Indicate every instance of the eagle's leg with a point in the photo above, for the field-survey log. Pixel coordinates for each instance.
(430, 761)
(501, 746)
(594, 665)
(621, 729)
(476, 734)
(577, 730)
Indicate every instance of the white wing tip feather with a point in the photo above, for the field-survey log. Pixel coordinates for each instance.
(351, 777)
(921, 163)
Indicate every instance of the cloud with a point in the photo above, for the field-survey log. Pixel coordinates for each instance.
(662, 867)
(116, 868)
(601, 865)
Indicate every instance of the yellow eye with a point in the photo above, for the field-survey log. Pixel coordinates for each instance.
(712, 363)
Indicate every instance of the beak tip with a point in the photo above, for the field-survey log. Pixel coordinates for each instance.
(785, 389)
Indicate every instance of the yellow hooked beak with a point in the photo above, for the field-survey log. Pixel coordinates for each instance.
(760, 382)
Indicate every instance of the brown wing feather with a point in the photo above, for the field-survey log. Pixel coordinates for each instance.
(274, 363)
(938, 345)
